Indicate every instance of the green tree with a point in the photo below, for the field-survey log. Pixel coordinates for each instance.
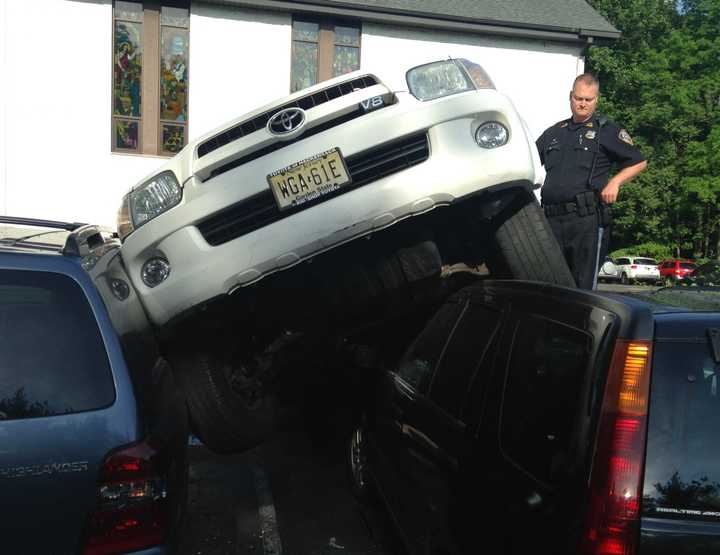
(662, 81)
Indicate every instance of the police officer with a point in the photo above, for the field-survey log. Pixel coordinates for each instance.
(577, 154)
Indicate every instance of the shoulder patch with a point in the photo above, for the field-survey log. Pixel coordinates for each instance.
(562, 123)
(624, 136)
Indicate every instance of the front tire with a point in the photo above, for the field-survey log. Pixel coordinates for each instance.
(526, 246)
(225, 420)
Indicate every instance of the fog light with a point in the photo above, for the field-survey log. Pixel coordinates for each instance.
(491, 135)
(120, 289)
(155, 271)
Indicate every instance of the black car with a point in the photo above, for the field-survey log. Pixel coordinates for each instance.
(530, 418)
(93, 431)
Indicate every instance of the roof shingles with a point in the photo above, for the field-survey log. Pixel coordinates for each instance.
(560, 14)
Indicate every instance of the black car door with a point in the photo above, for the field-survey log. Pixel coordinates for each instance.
(531, 456)
(431, 430)
(399, 395)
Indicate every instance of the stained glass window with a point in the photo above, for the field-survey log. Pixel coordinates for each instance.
(126, 134)
(173, 74)
(321, 50)
(306, 30)
(304, 70)
(347, 35)
(127, 74)
(173, 138)
(347, 50)
(304, 65)
(146, 31)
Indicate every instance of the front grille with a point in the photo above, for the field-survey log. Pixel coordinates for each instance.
(282, 144)
(305, 102)
(365, 167)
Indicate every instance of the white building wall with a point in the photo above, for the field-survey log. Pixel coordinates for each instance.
(239, 60)
(55, 91)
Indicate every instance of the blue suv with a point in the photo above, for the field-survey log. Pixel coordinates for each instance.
(93, 431)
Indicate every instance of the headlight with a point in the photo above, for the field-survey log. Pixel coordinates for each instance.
(124, 223)
(149, 200)
(438, 79)
(491, 135)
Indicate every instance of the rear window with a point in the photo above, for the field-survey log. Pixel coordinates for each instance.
(646, 261)
(52, 357)
(682, 470)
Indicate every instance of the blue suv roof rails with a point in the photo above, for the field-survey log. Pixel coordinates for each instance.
(41, 223)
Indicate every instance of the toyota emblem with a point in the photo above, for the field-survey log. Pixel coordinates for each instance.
(286, 121)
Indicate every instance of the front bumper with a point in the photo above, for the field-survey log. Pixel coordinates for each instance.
(456, 167)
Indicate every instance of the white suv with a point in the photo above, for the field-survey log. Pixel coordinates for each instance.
(636, 268)
(432, 166)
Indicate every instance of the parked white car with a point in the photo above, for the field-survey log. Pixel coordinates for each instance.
(432, 166)
(608, 271)
(637, 268)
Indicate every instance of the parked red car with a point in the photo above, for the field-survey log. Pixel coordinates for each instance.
(673, 270)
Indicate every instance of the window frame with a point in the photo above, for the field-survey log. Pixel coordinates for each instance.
(325, 44)
(432, 326)
(150, 122)
(470, 310)
(519, 320)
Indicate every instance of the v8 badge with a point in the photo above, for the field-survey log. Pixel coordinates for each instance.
(370, 104)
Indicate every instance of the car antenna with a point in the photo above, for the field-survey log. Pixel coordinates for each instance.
(714, 337)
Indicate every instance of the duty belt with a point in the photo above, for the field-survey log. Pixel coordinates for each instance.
(584, 204)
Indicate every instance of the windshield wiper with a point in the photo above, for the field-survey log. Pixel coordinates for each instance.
(15, 240)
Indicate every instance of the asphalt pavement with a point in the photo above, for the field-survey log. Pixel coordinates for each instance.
(288, 496)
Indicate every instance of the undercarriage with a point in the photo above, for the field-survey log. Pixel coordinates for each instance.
(351, 310)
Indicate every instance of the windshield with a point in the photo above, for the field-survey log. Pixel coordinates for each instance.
(646, 261)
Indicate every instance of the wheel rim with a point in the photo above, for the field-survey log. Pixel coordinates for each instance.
(357, 460)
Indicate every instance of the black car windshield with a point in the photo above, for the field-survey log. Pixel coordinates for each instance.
(682, 473)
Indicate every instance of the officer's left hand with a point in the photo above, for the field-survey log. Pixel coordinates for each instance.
(610, 193)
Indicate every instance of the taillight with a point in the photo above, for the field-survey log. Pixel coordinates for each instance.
(633, 266)
(612, 525)
(132, 508)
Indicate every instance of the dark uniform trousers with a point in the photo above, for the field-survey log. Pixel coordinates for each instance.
(578, 239)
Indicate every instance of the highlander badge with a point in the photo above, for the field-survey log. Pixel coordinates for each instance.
(286, 121)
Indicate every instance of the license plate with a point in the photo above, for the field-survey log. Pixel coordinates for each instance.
(309, 179)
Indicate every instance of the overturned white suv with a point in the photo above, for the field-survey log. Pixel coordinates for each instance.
(337, 208)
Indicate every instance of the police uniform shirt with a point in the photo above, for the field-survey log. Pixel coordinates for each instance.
(567, 150)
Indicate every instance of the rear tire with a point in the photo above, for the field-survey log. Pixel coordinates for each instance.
(624, 279)
(224, 420)
(526, 247)
(357, 465)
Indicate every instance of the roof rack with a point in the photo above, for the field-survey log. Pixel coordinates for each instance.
(41, 223)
